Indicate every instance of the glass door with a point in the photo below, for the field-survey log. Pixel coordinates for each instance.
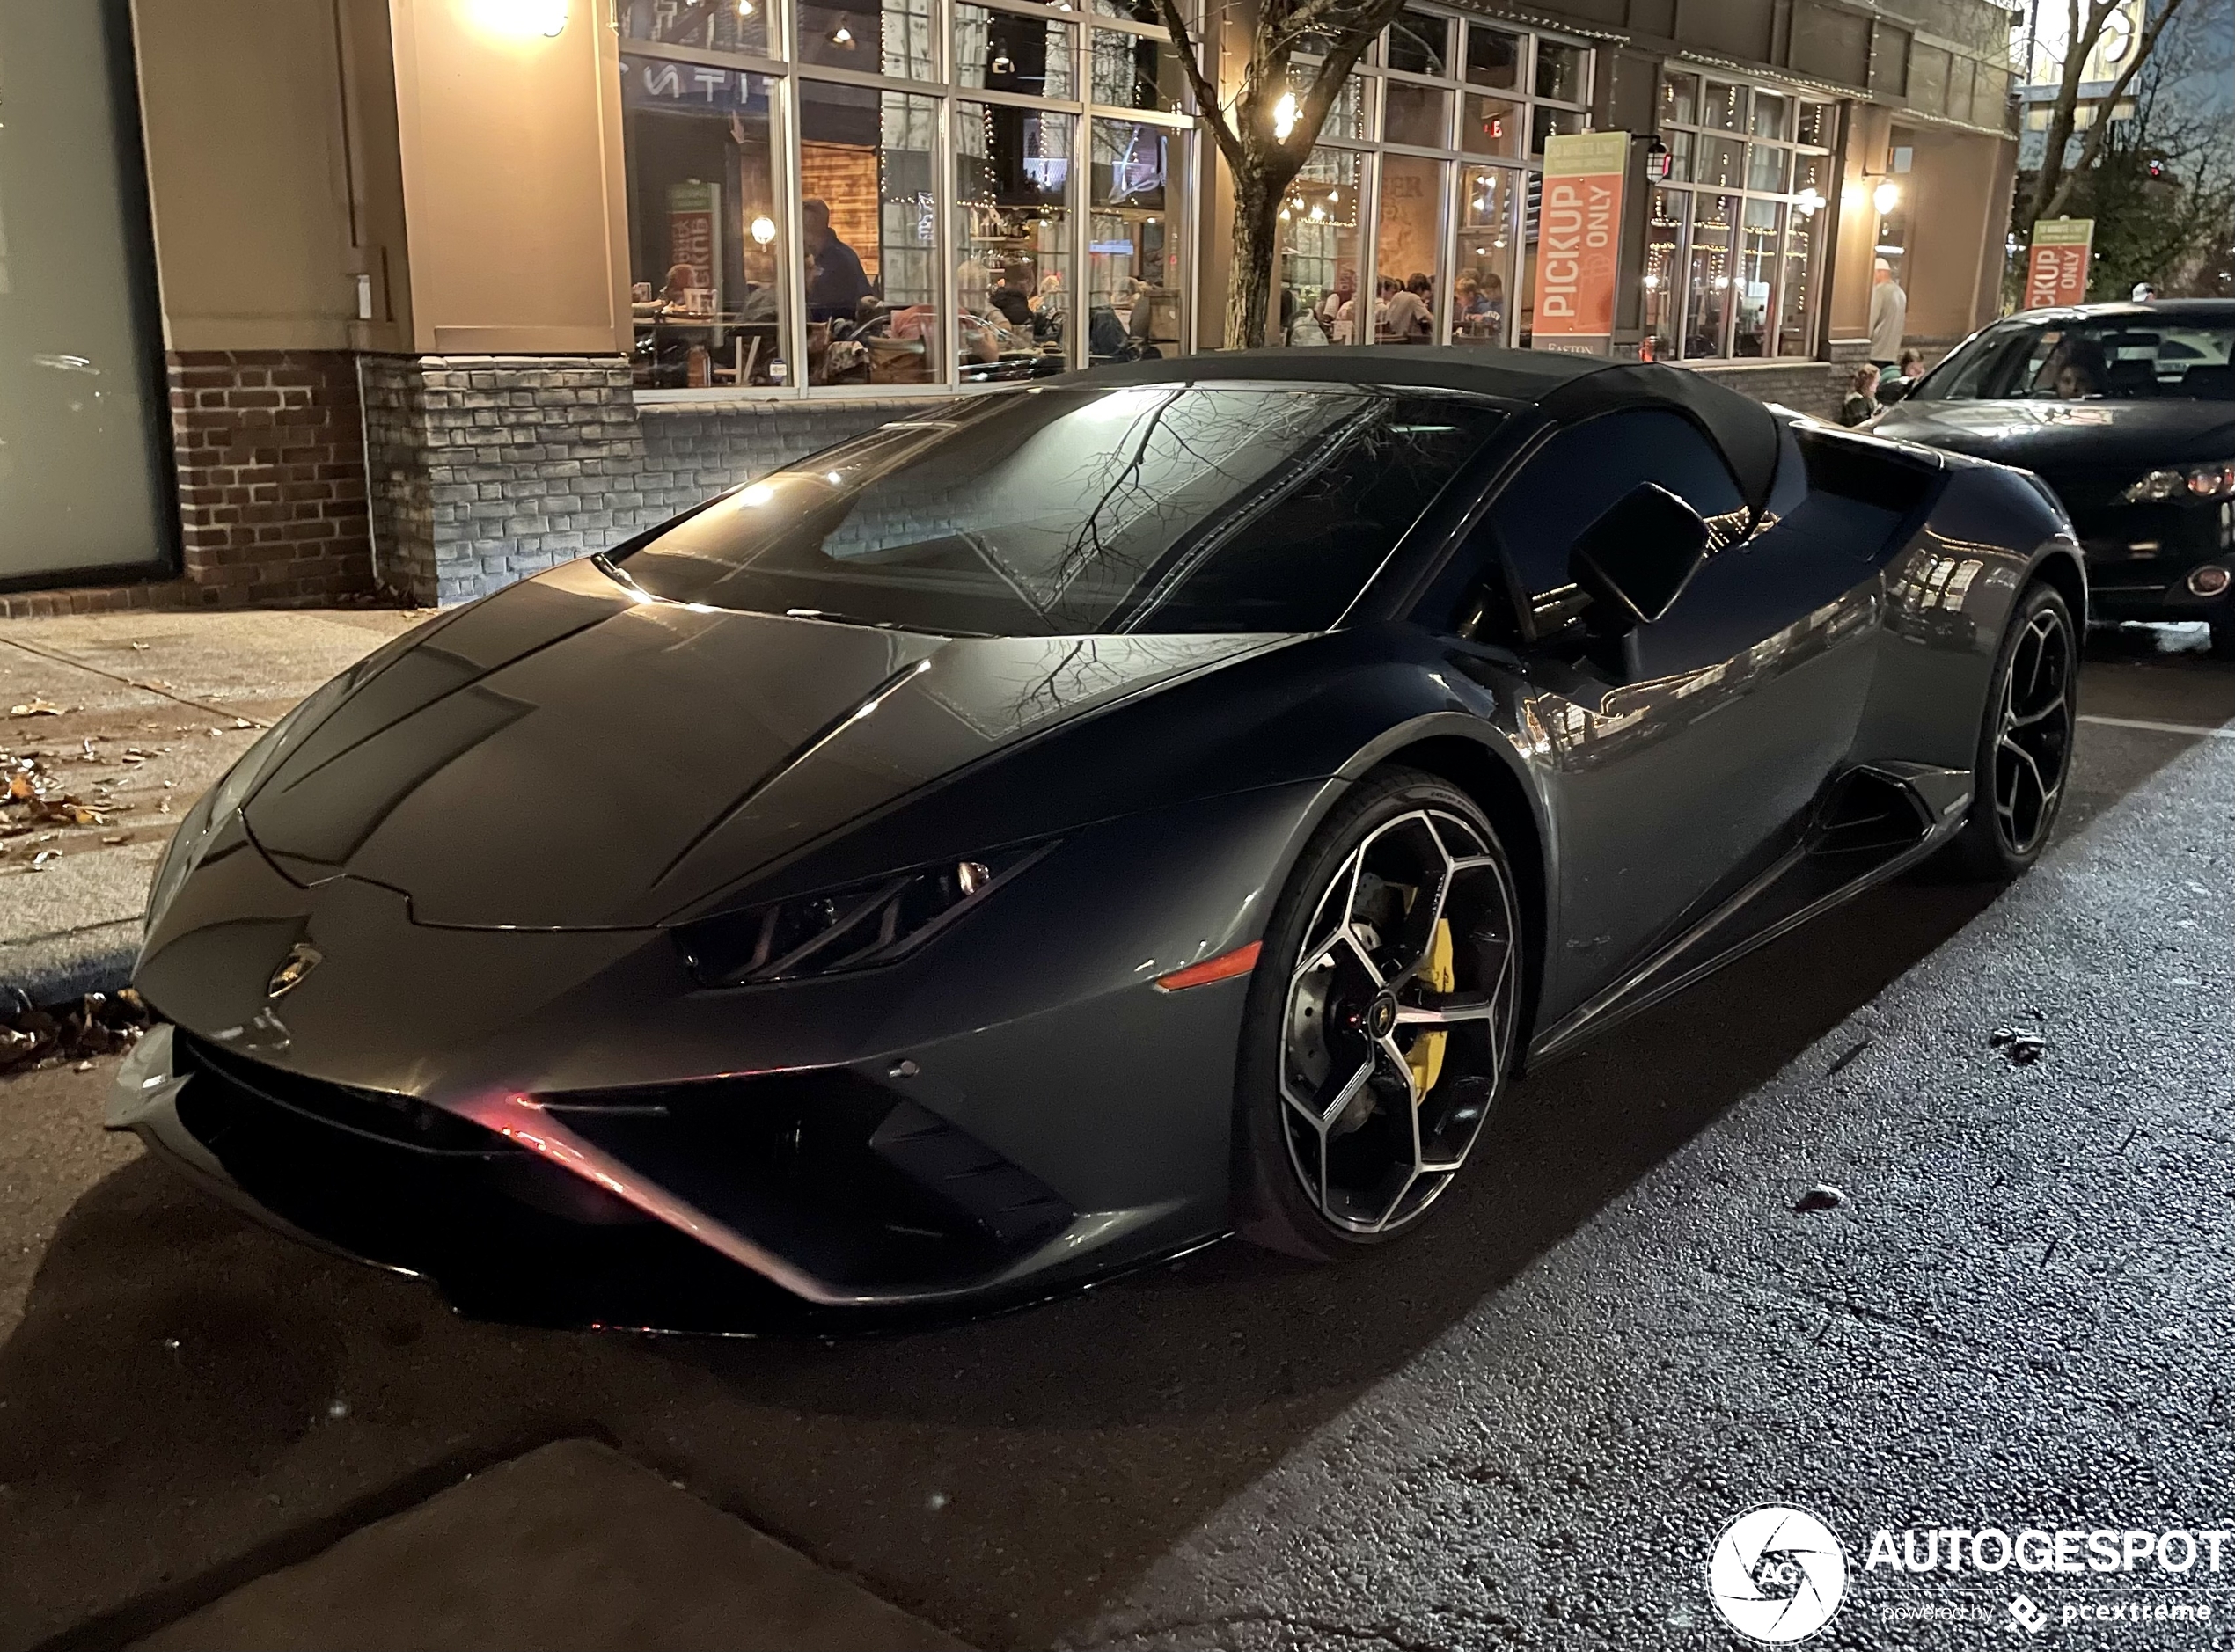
(79, 467)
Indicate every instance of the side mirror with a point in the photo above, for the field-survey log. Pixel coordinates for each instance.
(1892, 390)
(1636, 558)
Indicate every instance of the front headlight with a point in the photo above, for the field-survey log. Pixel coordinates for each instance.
(2197, 481)
(858, 927)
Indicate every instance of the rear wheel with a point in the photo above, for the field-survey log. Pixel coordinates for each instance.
(2024, 741)
(1381, 1020)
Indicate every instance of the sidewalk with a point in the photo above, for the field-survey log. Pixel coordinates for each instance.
(572, 1546)
(111, 725)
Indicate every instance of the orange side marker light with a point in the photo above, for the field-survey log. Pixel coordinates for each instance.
(1240, 961)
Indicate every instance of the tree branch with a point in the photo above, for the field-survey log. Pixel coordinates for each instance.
(1207, 95)
(2080, 41)
(2099, 130)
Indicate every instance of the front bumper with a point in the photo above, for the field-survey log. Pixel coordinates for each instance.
(806, 1211)
(2139, 558)
(1008, 1111)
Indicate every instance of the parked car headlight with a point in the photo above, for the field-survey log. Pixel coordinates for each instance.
(2197, 481)
(858, 927)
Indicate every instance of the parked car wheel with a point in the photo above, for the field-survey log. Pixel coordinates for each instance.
(2024, 741)
(1381, 1019)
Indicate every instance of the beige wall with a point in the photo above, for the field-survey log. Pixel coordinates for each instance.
(1959, 192)
(247, 172)
(510, 145)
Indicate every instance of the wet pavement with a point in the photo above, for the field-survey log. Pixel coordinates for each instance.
(1525, 1427)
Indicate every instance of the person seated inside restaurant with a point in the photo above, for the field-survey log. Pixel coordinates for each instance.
(1334, 313)
(1403, 316)
(682, 291)
(836, 282)
(1013, 296)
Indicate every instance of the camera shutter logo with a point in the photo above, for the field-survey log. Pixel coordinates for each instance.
(1777, 1574)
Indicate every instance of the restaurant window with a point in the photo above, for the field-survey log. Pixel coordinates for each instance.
(1486, 253)
(1735, 237)
(1132, 242)
(1005, 200)
(703, 226)
(1446, 177)
(883, 37)
(1320, 302)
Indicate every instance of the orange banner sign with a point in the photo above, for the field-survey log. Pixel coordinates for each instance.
(2056, 268)
(1579, 240)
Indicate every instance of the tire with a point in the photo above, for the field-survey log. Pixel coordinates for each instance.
(2223, 639)
(1368, 1011)
(2024, 752)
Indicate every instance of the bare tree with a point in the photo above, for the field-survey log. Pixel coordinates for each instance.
(2086, 20)
(1267, 131)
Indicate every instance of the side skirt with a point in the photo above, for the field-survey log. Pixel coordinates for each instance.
(1876, 824)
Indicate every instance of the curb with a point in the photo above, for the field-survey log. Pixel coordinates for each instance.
(60, 969)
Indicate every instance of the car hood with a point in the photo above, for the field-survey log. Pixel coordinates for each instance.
(569, 755)
(2055, 439)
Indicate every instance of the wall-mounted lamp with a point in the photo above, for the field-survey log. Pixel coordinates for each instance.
(1810, 201)
(764, 229)
(745, 8)
(547, 18)
(1283, 116)
(1657, 161)
(1885, 197)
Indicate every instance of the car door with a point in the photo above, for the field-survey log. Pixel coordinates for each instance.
(1685, 755)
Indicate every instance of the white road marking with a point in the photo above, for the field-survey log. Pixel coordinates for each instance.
(2162, 728)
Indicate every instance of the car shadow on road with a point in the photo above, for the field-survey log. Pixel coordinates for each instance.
(1000, 1477)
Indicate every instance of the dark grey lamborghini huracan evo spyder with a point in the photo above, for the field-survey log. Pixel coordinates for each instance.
(1042, 835)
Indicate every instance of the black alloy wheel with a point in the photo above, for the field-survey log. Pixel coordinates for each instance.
(1381, 1019)
(2026, 744)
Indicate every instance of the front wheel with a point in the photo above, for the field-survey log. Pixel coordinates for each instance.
(1381, 1022)
(2024, 741)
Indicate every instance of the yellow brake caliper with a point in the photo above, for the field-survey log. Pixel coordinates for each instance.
(1426, 1057)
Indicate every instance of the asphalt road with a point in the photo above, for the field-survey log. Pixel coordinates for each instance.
(1525, 1427)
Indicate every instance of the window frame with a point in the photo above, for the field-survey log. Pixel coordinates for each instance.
(1798, 225)
(786, 72)
(1527, 167)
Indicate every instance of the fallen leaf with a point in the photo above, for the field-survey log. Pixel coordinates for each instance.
(36, 708)
(116, 838)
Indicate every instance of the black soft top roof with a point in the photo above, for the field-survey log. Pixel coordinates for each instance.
(1568, 388)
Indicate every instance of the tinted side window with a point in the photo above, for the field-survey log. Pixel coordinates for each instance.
(1584, 469)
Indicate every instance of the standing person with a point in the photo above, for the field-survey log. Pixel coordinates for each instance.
(1862, 397)
(836, 283)
(1889, 314)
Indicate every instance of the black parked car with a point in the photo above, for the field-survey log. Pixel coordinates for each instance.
(1071, 823)
(2128, 411)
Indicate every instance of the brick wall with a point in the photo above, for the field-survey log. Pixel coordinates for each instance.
(488, 469)
(1809, 387)
(270, 453)
(268, 446)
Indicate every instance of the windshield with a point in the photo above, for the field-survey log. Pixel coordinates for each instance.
(1059, 512)
(2118, 358)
